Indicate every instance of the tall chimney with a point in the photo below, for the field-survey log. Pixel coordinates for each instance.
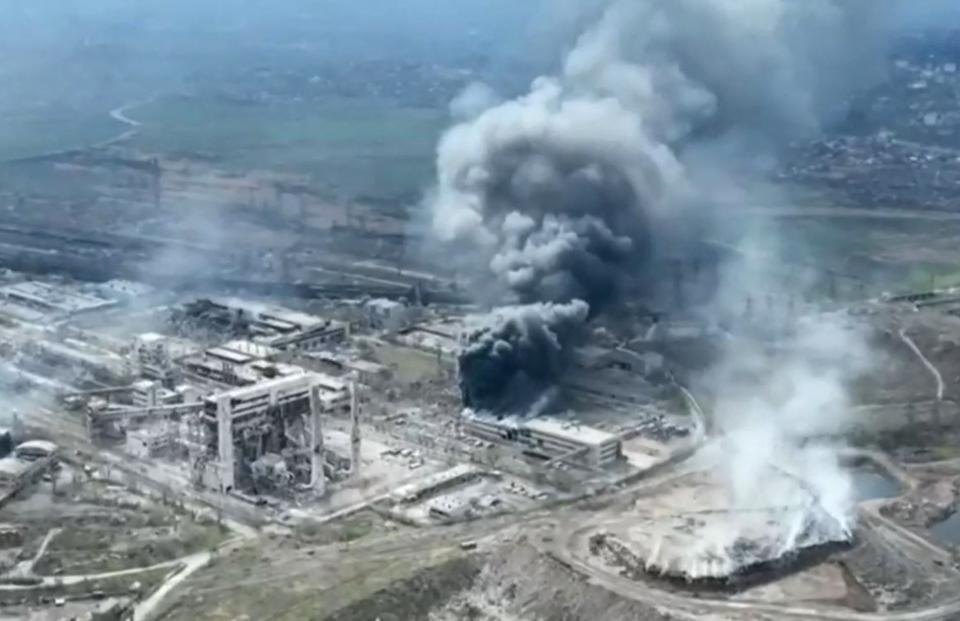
(354, 431)
(318, 479)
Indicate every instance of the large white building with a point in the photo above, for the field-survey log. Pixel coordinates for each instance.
(546, 438)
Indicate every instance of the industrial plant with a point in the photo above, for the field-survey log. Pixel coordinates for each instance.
(669, 329)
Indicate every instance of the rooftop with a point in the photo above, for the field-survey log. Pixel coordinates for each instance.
(256, 350)
(151, 337)
(37, 445)
(273, 315)
(550, 426)
(53, 298)
(384, 304)
(325, 382)
(229, 355)
(576, 432)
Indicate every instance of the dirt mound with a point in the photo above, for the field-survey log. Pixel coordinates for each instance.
(520, 583)
(513, 583)
(413, 598)
(929, 503)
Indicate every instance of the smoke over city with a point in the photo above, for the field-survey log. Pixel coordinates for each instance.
(561, 193)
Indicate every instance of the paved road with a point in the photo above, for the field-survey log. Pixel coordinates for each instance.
(149, 607)
(930, 367)
(120, 114)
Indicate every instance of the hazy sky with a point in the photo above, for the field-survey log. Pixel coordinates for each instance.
(54, 49)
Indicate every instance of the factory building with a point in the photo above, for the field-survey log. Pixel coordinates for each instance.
(279, 416)
(440, 338)
(546, 438)
(147, 443)
(388, 315)
(275, 326)
(151, 357)
(238, 363)
(28, 463)
(330, 363)
(148, 394)
(53, 300)
(34, 450)
(101, 363)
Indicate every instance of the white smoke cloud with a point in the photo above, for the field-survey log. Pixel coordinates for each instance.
(779, 411)
(473, 100)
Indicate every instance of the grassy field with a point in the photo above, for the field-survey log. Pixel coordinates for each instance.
(886, 252)
(39, 131)
(352, 147)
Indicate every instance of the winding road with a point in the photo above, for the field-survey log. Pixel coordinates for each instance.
(930, 367)
(119, 114)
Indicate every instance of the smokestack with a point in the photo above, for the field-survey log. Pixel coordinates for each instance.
(318, 480)
(354, 432)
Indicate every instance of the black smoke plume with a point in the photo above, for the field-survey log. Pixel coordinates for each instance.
(516, 354)
(560, 194)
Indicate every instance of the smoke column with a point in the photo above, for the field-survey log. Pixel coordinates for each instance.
(560, 193)
(772, 410)
(514, 356)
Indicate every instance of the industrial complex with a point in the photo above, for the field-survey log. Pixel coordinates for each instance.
(657, 341)
(268, 417)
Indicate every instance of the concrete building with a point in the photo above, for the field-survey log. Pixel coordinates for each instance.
(102, 364)
(435, 483)
(440, 338)
(153, 357)
(148, 394)
(388, 315)
(53, 300)
(282, 328)
(338, 365)
(546, 438)
(148, 443)
(311, 339)
(239, 363)
(246, 423)
(34, 450)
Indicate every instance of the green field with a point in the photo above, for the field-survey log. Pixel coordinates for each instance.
(35, 132)
(892, 253)
(346, 146)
